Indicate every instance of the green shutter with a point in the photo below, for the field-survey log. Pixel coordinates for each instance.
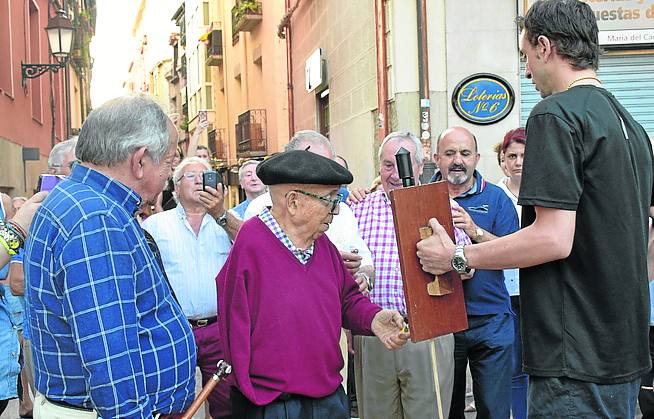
(629, 78)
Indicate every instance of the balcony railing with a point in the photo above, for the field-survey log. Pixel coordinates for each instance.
(251, 140)
(215, 48)
(172, 75)
(246, 15)
(217, 144)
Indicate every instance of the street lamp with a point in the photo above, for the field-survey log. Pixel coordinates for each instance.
(60, 37)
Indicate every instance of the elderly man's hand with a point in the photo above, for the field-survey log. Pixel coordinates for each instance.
(25, 214)
(388, 326)
(356, 195)
(213, 200)
(436, 251)
(362, 283)
(351, 260)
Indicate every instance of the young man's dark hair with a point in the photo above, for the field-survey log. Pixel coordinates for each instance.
(570, 25)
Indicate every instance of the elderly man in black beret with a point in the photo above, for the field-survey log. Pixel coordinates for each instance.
(284, 294)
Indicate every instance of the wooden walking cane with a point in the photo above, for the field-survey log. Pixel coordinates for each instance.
(224, 369)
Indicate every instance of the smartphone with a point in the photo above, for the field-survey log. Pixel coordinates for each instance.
(48, 182)
(209, 178)
(202, 117)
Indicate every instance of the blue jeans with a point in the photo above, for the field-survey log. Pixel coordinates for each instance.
(646, 397)
(564, 397)
(488, 344)
(9, 351)
(520, 380)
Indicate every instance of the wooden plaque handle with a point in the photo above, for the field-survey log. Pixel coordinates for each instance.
(438, 286)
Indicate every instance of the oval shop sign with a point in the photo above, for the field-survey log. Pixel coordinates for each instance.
(483, 99)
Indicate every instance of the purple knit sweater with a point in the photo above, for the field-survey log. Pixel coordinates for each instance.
(280, 321)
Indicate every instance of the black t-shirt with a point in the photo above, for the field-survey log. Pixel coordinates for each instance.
(586, 316)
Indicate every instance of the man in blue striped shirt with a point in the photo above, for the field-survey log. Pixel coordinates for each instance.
(194, 248)
(107, 334)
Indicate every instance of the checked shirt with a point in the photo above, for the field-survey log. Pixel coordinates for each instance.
(375, 219)
(302, 255)
(106, 332)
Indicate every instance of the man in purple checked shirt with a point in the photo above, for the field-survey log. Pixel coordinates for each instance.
(398, 384)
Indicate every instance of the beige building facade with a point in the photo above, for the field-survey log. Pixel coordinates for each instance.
(343, 106)
(246, 62)
(265, 69)
(252, 79)
(462, 39)
(459, 43)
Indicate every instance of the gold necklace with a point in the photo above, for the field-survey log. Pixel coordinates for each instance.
(573, 82)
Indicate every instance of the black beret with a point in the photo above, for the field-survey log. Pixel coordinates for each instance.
(300, 166)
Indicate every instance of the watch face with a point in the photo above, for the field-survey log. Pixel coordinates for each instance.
(458, 263)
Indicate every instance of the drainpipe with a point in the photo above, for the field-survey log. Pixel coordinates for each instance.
(245, 87)
(423, 77)
(382, 77)
(67, 98)
(289, 76)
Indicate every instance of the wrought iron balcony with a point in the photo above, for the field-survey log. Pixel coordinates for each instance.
(217, 143)
(215, 48)
(251, 137)
(246, 15)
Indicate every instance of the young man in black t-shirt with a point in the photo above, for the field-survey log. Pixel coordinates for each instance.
(586, 194)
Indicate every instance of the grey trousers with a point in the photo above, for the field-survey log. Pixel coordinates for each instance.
(400, 384)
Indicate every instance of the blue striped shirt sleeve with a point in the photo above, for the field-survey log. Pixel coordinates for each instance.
(100, 306)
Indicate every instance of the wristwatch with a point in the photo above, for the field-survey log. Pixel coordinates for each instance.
(459, 261)
(222, 220)
(479, 234)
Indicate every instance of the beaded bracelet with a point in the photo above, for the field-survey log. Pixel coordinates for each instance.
(10, 239)
(17, 228)
(6, 246)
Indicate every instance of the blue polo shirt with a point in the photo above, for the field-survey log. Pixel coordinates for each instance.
(490, 208)
(240, 208)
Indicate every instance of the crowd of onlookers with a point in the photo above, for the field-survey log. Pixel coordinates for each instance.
(191, 235)
(132, 274)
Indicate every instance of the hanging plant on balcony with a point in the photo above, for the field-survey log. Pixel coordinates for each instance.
(247, 7)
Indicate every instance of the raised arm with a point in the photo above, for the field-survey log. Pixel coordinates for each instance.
(195, 138)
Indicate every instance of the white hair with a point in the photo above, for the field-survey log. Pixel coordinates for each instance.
(310, 137)
(179, 170)
(119, 127)
(241, 170)
(59, 151)
(404, 136)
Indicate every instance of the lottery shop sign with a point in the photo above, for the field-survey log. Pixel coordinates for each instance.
(483, 99)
